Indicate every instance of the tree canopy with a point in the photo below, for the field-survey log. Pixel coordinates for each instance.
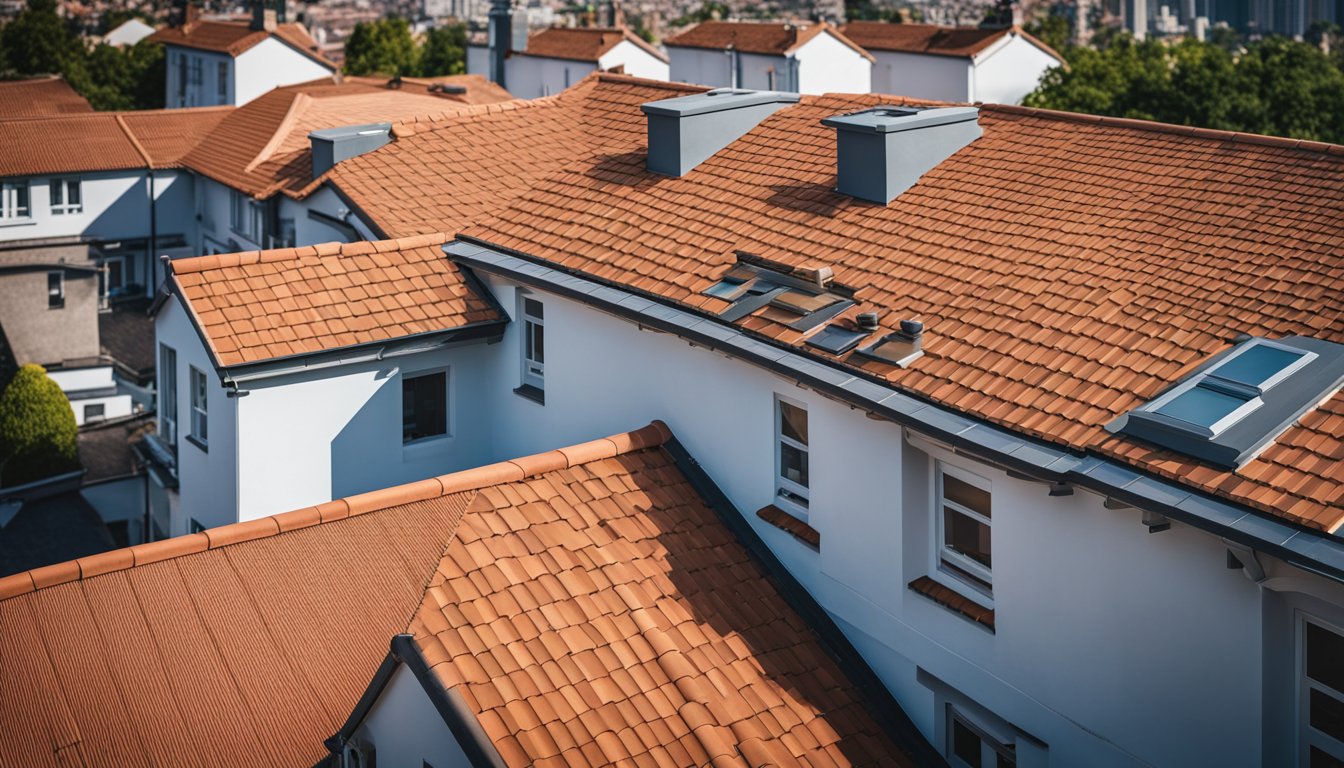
(37, 429)
(386, 47)
(444, 51)
(1273, 86)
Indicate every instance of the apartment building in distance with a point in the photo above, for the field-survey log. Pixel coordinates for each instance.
(800, 57)
(548, 61)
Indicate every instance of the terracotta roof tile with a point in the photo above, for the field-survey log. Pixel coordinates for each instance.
(236, 37)
(583, 43)
(931, 39)
(40, 97)
(1067, 267)
(769, 38)
(109, 141)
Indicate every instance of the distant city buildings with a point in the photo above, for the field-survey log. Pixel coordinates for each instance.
(1290, 18)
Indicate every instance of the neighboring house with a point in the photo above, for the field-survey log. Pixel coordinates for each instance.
(115, 481)
(129, 32)
(1050, 468)
(961, 64)
(597, 605)
(800, 57)
(40, 97)
(48, 522)
(232, 62)
(554, 59)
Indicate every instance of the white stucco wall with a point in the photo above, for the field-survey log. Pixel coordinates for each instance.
(478, 60)
(946, 78)
(1008, 72)
(826, 65)
(406, 729)
(531, 77)
(268, 65)
(309, 230)
(700, 67)
(637, 61)
(120, 499)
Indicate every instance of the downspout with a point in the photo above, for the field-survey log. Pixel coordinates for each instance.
(153, 235)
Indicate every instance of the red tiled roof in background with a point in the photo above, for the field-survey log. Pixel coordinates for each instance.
(442, 174)
(586, 603)
(1067, 267)
(768, 38)
(261, 305)
(106, 141)
(40, 96)
(964, 42)
(584, 43)
(236, 37)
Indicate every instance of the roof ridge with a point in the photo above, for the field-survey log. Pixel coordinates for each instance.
(140, 150)
(300, 102)
(358, 248)
(1211, 134)
(513, 470)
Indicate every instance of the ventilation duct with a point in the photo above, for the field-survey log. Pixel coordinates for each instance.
(686, 131)
(332, 145)
(882, 152)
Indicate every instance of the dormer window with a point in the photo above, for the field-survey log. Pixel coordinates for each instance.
(1236, 404)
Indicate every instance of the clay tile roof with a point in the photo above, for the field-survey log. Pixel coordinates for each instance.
(964, 42)
(236, 37)
(258, 638)
(40, 96)
(166, 135)
(258, 306)
(583, 43)
(441, 174)
(769, 38)
(1067, 267)
(107, 141)
(263, 147)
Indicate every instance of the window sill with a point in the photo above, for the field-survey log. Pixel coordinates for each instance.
(954, 602)
(18, 221)
(426, 446)
(198, 443)
(790, 525)
(535, 394)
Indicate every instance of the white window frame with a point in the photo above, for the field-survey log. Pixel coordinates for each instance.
(58, 190)
(58, 295)
(10, 209)
(168, 394)
(245, 216)
(793, 497)
(942, 552)
(200, 405)
(1307, 736)
(533, 369)
(447, 434)
(100, 416)
(222, 79)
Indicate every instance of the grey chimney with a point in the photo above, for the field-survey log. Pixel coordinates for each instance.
(882, 152)
(332, 145)
(501, 37)
(687, 130)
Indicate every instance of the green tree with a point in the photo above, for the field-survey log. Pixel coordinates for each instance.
(382, 47)
(125, 78)
(1053, 29)
(37, 429)
(710, 10)
(444, 51)
(37, 42)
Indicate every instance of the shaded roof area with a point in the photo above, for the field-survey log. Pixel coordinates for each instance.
(105, 449)
(584, 43)
(934, 40)
(236, 37)
(47, 530)
(40, 96)
(261, 305)
(126, 335)
(263, 146)
(103, 141)
(769, 38)
(258, 638)
(442, 174)
(1067, 267)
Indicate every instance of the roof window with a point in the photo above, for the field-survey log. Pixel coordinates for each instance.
(1234, 405)
(755, 283)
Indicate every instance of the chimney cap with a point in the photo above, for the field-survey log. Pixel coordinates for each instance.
(892, 119)
(717, 100)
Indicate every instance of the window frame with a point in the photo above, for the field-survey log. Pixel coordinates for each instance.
(100, 416)
(198, 399)
(167, 394)
(991, 745)
(1303, 686)
(532, 366)
(246, 216)
(10, 192)
(792, 496)
(60, 187)
(56, 296)
(447, 406)
(222, 79)
(962, 570)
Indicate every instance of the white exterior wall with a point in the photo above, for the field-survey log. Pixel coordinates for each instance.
(314, 436)
(531, 77)
(478, 60)
(826, 65)
(268, 65)
(406, 729)
(309, 230)
(120, 499)
(1007, 73)
(700, 67)
(637, 61)
(945, 78)
(207, 477)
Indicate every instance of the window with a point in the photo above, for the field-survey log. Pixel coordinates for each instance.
(963, 526)
(222, 82)
(534, 345)
(55, 290)
(197, 71)
(969, 746)
(181, 79)
(1321, 695)
(424, 406)
(93, 412)
(168, 395)
(14, 200)
(194, 525)
(245, 216)
(199, 423)
(791, 455)
(65, 196)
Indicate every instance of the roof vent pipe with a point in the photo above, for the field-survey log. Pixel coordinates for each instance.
(867, 321)
(500, 38)
(687, 130)
(332, 145)
(882, 152)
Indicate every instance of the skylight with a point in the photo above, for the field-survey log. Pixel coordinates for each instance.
(1240, 401)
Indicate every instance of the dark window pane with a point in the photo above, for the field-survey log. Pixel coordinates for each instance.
(966, 535)
(1327, 714)
(73, 189)
(527, 340)
(539, 343)
(1325, 657)
(533, 308)
(1005, 760)
(793, 464)
(965, 743)
(1320, 759)
(1202, 406)
(793, 422)
(965, 494)
(1257, 364)
(424, 407)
